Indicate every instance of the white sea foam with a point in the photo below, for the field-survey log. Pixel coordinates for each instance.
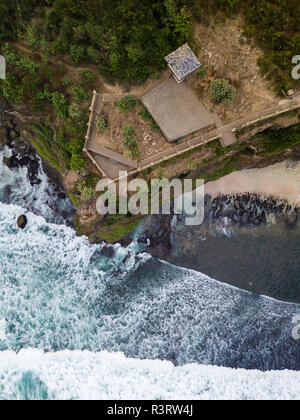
(40, 198)
(59, 292)
(66, 375)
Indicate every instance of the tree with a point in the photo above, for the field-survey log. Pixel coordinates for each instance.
(77, 53)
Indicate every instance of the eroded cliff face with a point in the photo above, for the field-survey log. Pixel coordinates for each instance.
(33, 184)
(284, 121)
(14, 133)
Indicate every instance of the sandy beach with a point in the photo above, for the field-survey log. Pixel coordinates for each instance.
(280, 181)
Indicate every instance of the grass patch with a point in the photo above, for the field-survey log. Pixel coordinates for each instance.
(274, 142)
(116, 230)
(74, 199)
(146, 116)
(219, 173)
(42, 139)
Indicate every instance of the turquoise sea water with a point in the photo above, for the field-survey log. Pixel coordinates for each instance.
(59, 293)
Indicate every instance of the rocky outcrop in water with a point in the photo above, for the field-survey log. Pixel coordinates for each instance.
(13, 135)
(156, 233)
(243, 211)
(22, 222)
(23, 155)
(249, 209)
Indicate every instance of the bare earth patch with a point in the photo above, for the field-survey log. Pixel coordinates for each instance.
(70, 180)
(226, 53)
(149, 141)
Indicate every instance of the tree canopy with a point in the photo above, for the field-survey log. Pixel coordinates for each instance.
(128, 39)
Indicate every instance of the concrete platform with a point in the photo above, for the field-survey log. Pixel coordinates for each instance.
(177, 110)
(110, 166)
(228, 139)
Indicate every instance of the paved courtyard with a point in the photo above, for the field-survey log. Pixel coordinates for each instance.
(177, 110)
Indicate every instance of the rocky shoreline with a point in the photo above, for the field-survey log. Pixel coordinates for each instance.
(13, 135)
(244, 211)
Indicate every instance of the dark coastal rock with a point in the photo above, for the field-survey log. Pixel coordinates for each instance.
(22, 222)
(10, 124)
(125, 241)
(25, 159)
(244, 219)
(13, 134)
(23, 154)
(161, 249)
(126, 258)
(61, 196)
(156, 235)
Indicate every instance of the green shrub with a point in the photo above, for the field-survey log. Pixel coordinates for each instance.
(65, 82)
(77, 53)
(222, 91)
(11, 55)
(80, 94)
(156, 75)
(27, 64)
(88, 78)
(77, 162)
(86, 194)
(132, 153)
(154, 126)
(75, 147)
(145, 114)
(94, 55)
(201, 73)
(60, 105)
(129, 137)
(128, 131)
(91, 181)
(129, 142)
(61, 136)
(86, 189)
(127, 104)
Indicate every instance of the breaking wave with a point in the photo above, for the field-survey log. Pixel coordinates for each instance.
(34, 375)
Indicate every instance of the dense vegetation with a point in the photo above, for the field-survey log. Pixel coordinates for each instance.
(128, 39)
(277, 141)
(55, 50)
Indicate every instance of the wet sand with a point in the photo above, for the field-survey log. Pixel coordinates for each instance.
(280, 181)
